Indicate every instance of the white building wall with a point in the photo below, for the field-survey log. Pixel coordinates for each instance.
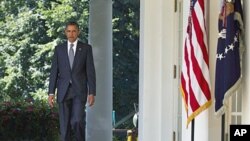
(214, 122)
(186, 132)
(246, 65)
(214, 128)
(213, 15)
(156, 70)
(158, 89)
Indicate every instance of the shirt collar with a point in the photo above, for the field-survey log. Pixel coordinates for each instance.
(74, 47)
(73, 43)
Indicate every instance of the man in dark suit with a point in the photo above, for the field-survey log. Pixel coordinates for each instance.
(73, 76)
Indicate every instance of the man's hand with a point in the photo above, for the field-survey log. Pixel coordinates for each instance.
(91, 100)
(51, 101)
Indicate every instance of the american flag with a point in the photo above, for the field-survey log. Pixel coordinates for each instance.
(228, 58)
(195, 81)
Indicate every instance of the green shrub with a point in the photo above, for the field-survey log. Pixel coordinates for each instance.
(28, 120)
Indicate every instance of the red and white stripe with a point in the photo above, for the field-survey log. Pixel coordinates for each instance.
(195, 81)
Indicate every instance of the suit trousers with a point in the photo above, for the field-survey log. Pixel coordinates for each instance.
(72, 117)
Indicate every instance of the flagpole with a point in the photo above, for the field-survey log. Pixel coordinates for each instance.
(189, 20)
(192, 131)
(223, 127)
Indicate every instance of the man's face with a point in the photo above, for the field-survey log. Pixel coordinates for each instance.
(72, 33)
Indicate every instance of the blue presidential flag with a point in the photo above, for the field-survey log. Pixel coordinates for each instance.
(228, 57)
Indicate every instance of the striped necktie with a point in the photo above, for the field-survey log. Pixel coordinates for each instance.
(71, 55)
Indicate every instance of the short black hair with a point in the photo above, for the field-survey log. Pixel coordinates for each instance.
(72, 23)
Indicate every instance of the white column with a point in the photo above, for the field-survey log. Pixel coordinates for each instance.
(186, 132)
(214, 125)
(99, 120)
(246, 65)
(156, 90)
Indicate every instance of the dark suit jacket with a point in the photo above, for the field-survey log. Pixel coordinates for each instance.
(82, 75)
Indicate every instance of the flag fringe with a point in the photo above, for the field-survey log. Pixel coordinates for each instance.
(227, 95)
(196, 112)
